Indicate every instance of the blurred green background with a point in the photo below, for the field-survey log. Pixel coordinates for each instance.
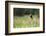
(25, 17)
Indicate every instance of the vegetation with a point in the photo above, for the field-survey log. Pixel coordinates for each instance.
(25, 11)
(22, 18)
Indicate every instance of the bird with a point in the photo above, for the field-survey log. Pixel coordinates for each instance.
(31, 16)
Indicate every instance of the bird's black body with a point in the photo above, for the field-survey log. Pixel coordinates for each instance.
(31, 16)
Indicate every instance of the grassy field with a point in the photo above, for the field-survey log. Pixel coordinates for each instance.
(26, 21)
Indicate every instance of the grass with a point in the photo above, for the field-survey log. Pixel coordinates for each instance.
(25, 22)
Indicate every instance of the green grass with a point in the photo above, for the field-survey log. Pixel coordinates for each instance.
(25, 22)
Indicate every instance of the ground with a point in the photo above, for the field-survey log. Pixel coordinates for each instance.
(26, 21)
